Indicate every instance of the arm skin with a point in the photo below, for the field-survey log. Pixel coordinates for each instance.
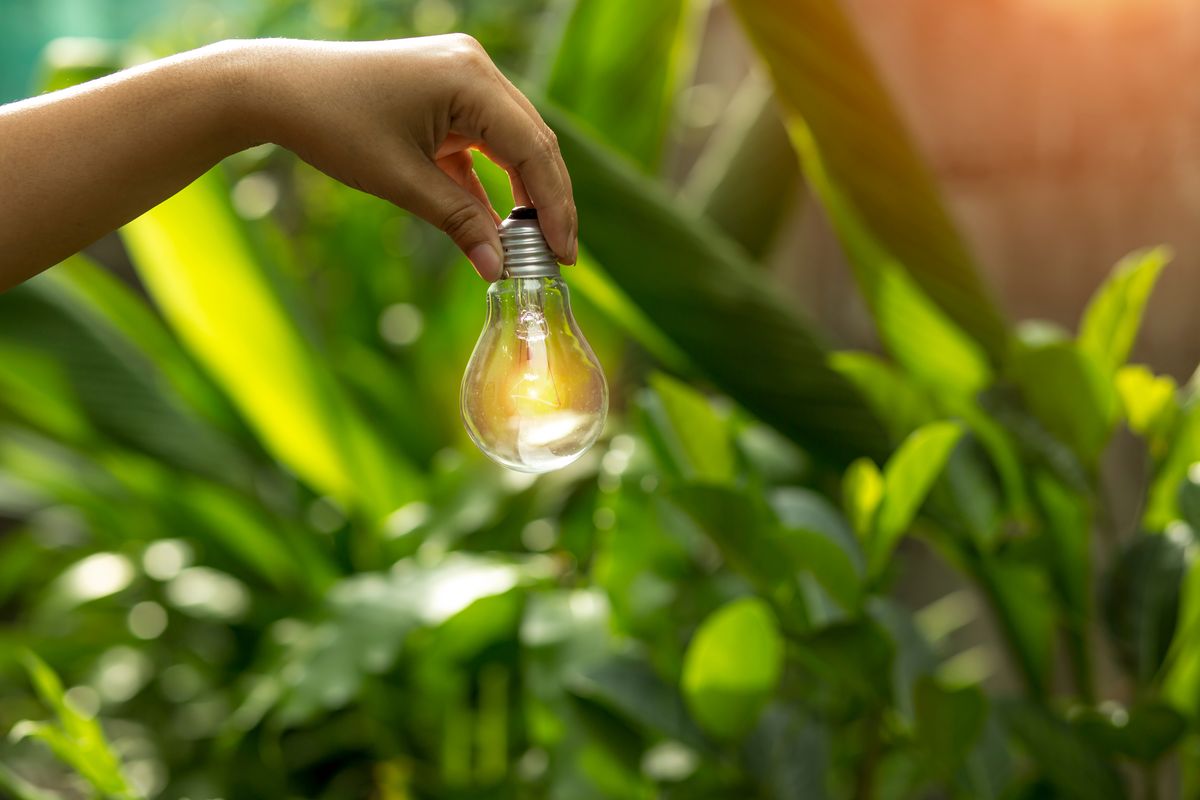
(393, 118)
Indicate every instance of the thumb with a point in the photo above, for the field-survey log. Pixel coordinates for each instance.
(435, 197)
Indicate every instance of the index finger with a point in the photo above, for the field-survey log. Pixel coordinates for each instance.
(527, 147)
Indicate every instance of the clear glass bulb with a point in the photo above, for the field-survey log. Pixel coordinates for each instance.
(534, 397)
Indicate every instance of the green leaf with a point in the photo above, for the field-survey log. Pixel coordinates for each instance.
(884, 192)
(1026, 613)
(201, 271)
(1149, 404)
(22, 789)
(892, 395)
(908, 477)
(1183, 451)
(698, 436)
(367, 620)
(745, 178)
(788, 755)
(631, 687)
(949, 721)
(76, 739)
(818, 540)
(1142, 598)
(862, 493)
(1070, 763)
(707, 297)
(116, 386)
(751, 546)
(732, 666)
(1145, 733)
(1069, 393)
(1111, 321)
(129, 313)
(620, 66)
(856, 656)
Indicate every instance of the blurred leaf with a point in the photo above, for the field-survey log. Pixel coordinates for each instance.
(862, 493)
(116, 386)
(1067, 526)
(818, 540)
(908, 476)
(129, 313)
(891, 394)
(620, 66)
(788, 755)
(747, 175)
(711, 302)
(1111, 321)
(1070, 763)
(697, 436)
(857, 656)
(367, 620)
(735, 525)
(215, 292)
(732, 666)
(949, 721)
(1141, 599)
(20, 788)
(76, 739)
(1149, 404)
(877, 187)
(1145, 733)
(1181, 678)
(1069, 393)
(631, 687)
(1025, 611)
(1162, 506)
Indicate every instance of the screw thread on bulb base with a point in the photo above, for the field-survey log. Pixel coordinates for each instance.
(526, 254)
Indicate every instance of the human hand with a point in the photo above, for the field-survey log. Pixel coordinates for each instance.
(398, 118)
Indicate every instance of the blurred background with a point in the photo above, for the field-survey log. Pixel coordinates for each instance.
(852, 531)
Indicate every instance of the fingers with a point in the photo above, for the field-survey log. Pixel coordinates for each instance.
(527, 149)
(464, 214)
(528, 107)
(461, 168)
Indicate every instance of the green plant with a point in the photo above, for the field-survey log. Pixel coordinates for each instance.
(250, 524)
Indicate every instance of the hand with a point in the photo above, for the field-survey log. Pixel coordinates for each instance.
(398, 119)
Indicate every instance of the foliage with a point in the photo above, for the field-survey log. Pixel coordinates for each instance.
(249, 532)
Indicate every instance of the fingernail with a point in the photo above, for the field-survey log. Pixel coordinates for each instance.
(572, 249)
(485, 260)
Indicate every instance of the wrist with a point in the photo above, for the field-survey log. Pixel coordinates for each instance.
(237, 74)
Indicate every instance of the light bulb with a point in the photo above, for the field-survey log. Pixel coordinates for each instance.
(534, 396)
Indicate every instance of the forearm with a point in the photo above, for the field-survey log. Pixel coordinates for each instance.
(81, 162)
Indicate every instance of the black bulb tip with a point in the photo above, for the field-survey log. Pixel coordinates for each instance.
(523, 212)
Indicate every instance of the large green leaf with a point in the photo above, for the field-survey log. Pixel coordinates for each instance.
(200, 269)
(1114, 315)
(706, 296)
(1068, 760)
(745, 179)
(837, 102)
(697, 436)
(1069, 392)
(104, 375)
(619, 68)
(1141, 599)
(732, 666)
